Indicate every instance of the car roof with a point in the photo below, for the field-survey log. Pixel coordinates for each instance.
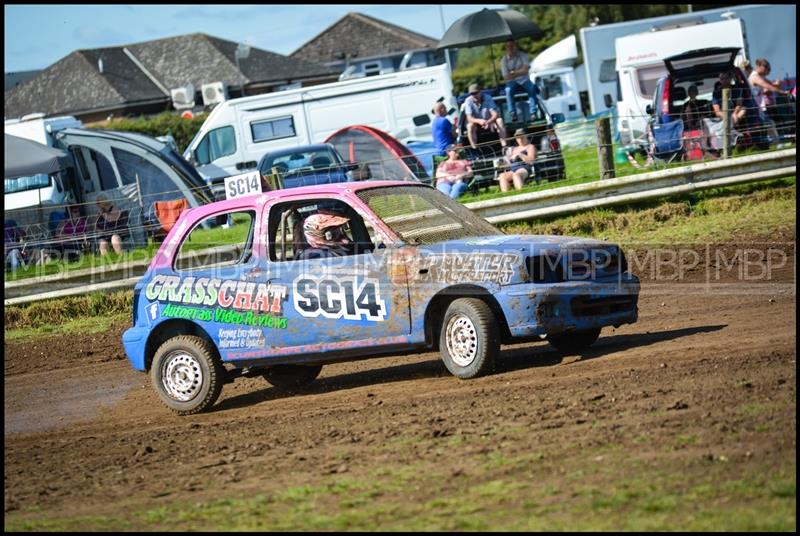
(298, 149)
(333, 188)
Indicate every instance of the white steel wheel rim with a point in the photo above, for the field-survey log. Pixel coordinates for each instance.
(462, 340)
(182, 376)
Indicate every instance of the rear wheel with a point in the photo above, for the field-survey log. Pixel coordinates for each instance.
(291, 377)
(187, 374)
(469, 341)
(574, 341)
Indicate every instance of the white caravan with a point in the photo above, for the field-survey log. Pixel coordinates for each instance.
(640, 65)
(559, 81)
(238, 132)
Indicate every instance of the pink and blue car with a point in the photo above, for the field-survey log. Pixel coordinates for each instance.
(426, 273)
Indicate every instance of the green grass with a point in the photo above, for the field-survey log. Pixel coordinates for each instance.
(717, 216)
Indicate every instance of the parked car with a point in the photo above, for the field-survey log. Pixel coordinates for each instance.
(549, 163)
(307, 165)
(700, 68)
(425, 272)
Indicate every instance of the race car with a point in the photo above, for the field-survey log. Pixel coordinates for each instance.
(411, 271)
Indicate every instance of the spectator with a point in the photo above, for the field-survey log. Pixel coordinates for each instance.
(737, 105)
(692, 114)
(13, 248)
(72, 234)
(482, 113)
(111, 225)
(514, 66)
(443, 129)
(452, 174)
(763, 89)
(746, 68)
(520, 159)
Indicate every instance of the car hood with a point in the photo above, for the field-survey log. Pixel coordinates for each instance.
(519, 244)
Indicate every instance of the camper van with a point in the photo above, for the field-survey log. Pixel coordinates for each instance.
(559, 81)
(640, 65)
(238, 132)
(132, 169)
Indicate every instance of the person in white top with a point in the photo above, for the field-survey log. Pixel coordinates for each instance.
(763, 89)
(515, 66)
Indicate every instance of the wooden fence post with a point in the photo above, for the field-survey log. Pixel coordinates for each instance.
(605, 154)
(726, 123)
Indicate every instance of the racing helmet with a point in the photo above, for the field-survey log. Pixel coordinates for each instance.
(325, 230)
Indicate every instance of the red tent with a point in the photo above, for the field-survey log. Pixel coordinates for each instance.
(383, 154)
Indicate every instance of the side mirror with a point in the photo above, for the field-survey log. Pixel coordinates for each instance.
(608, 101)
(420, 120)
(648, 109)
(558, 118)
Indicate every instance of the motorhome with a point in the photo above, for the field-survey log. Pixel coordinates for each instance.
(640, 65)
(561, 84)
(132, 169)
(238, 132)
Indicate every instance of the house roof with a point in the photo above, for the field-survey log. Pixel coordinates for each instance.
(145, 72)
(361, 36)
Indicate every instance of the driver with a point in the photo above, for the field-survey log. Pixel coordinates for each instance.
(326, 237)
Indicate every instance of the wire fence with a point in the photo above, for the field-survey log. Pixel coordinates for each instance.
(655, 143)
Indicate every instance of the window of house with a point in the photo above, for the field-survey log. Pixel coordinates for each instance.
(209, 245)
(272, 129)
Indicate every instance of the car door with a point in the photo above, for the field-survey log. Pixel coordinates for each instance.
(335, 303)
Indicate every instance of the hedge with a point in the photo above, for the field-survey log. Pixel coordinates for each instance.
(166, 123)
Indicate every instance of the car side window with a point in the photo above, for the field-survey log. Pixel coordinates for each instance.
(210, 245)
(285, 230)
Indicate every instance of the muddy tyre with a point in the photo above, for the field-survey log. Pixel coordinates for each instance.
(291, 377)
(469, 339)
(187, 375)
(574, 341)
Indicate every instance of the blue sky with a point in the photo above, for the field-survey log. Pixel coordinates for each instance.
(37, 36)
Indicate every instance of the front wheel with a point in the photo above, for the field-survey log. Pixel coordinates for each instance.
(291, 377)
(574, 341)
(187, 375)
(469, 341)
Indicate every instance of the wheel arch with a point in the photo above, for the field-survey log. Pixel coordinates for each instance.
(434, 312)
(172, 328)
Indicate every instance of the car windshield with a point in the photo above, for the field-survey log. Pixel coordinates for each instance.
(304, 160)
(422, 215)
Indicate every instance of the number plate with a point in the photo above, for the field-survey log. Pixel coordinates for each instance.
(244, 184)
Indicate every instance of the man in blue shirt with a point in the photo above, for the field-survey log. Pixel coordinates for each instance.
(443, 130)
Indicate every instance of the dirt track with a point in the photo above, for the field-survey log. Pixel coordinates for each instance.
(86, 435)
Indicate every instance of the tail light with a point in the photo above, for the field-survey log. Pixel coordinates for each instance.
(554, 145)
(665, 98)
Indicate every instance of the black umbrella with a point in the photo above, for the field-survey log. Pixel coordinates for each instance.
(26, 157)
(488, 26)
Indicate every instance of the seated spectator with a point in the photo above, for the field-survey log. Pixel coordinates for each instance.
(71, 234)
(737, 103)
(520, 161)
(452, 174)
(443, 129)
(111, 225)
(482, 113)
(692, 114)
(515, 66)
(12, 245)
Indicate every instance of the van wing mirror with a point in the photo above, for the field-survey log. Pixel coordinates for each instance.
(608, 101)
(648, 109)
(420, 120)
(558, 118)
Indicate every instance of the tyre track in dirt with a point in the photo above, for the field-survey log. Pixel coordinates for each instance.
(686, 368)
